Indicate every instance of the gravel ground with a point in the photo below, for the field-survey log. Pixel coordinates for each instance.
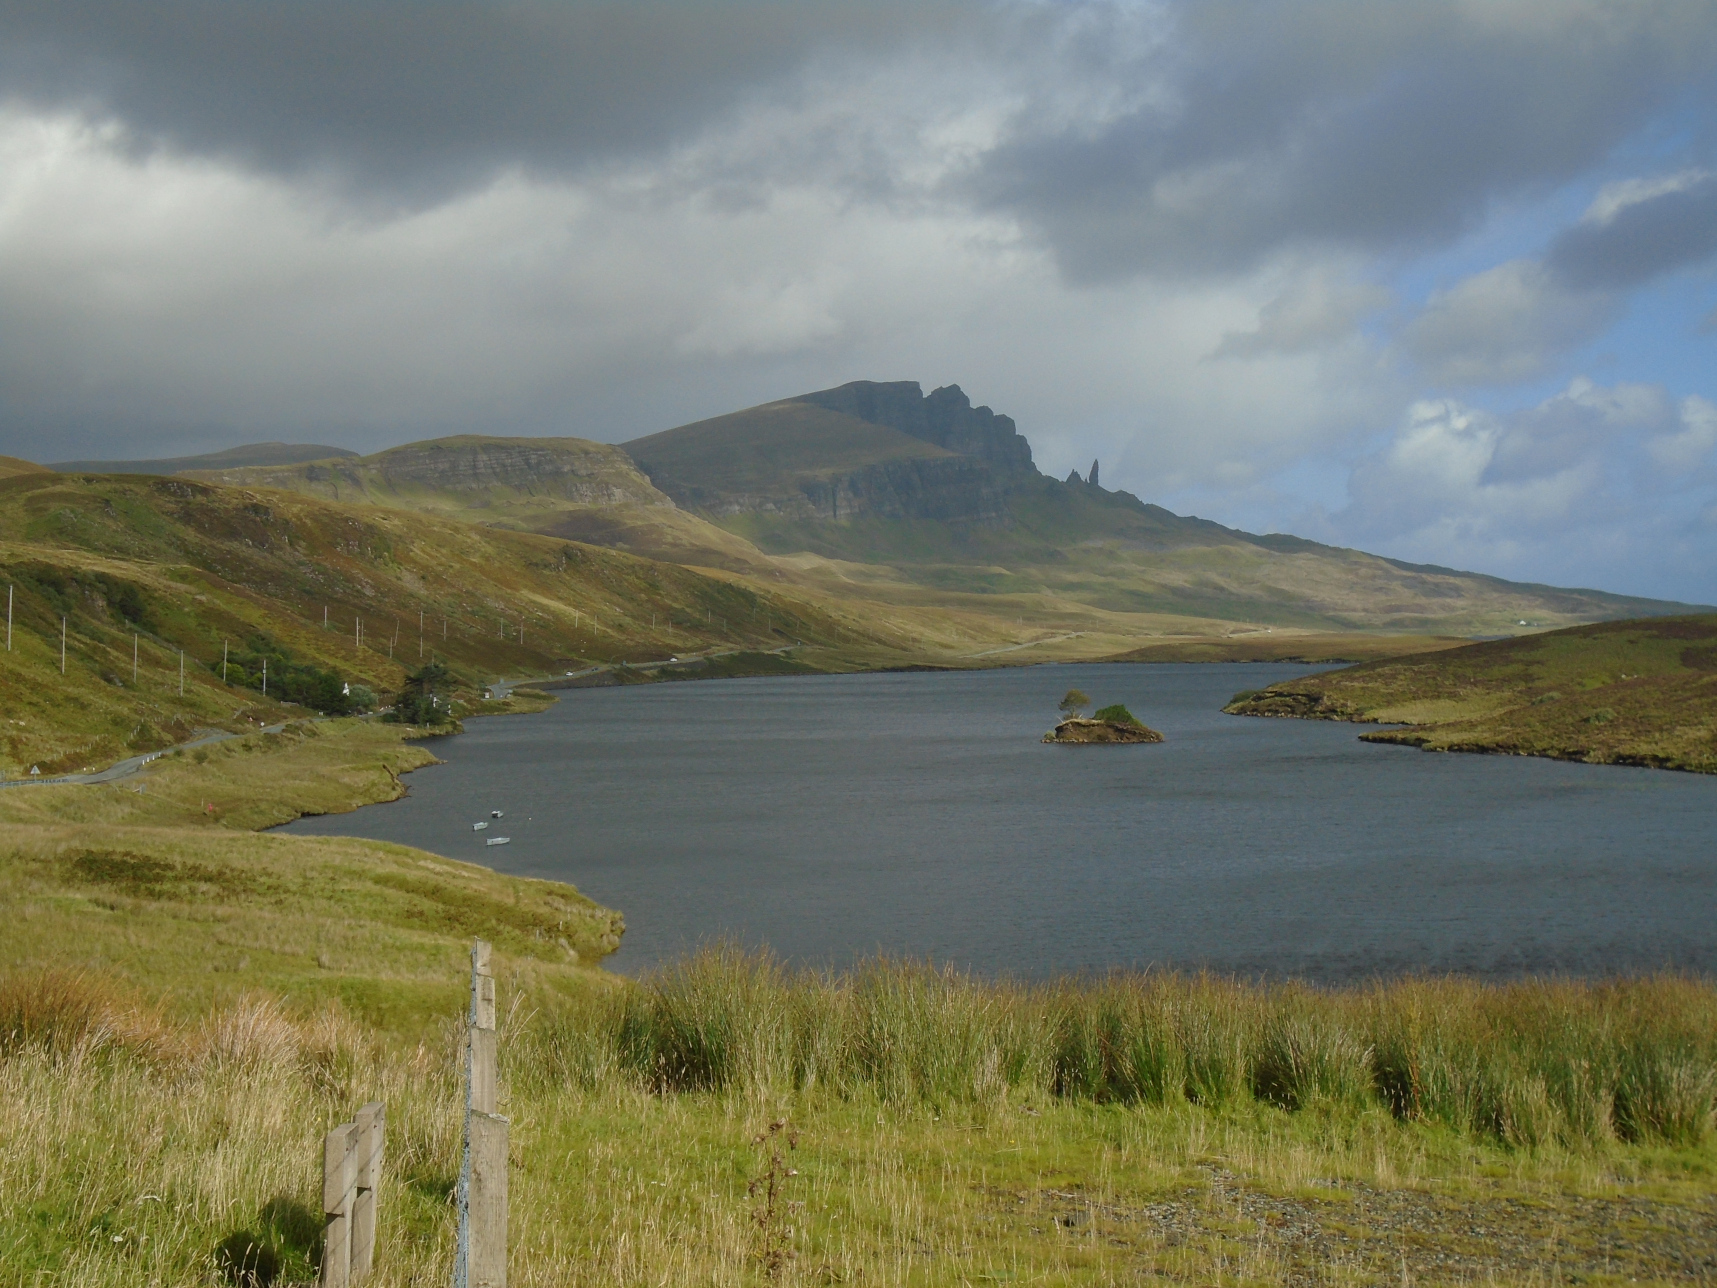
(1361, 1235)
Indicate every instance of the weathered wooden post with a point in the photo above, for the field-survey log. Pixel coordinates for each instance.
(371, 1123)
(351, 1174)
(339, 1185)
(481, 1260)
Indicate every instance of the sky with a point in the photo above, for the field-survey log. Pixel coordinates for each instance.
(1432, 278)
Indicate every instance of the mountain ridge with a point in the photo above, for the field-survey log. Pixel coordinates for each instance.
(876, 496)
(257, 454)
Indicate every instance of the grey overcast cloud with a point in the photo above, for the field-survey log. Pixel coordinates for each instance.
(1432, 277)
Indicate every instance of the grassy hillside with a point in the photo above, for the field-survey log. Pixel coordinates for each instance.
(510, 476)
(1267, 646)
(170, 566)
(1630, 692)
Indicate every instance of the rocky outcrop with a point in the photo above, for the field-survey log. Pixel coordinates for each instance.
(951, 489)
(1080, 731)
(944, 417)
(1295, 704)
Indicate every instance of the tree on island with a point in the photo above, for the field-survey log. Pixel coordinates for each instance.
(1074, 704)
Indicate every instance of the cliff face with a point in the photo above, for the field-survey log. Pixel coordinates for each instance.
(954, 489)
(944, 417)
(868, 449)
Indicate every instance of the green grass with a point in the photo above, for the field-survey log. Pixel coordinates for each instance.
(1633, 692)
(949, 1131)
(171, 567)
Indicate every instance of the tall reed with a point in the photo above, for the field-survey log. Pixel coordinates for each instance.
(1525, 1063)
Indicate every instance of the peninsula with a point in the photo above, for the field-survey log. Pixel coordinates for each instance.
(1640, 692)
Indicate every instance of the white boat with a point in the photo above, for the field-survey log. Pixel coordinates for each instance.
(478, 827)
(494, 813)
(497, 840)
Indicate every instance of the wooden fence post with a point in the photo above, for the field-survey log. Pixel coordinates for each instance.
(488, 1206)
(371, 1124)
(339, 1182)
(481, 1259)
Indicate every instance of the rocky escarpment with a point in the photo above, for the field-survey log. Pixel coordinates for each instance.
(464, 469)
(868, 449)
(944, 417)
(951, 489)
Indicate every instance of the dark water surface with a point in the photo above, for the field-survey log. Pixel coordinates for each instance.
(832, 816)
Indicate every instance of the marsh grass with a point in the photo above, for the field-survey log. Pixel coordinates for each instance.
(950, 1129)
(1522, 1064)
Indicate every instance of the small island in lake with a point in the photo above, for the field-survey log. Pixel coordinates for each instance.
(1108, 724)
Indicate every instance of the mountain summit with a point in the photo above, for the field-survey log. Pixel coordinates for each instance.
(944, 417)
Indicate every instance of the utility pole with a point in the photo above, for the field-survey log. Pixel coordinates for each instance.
(265, 677)
(324, 617)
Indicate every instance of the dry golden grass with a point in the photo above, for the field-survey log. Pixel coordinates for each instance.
(138, 1146)
(1631, 692)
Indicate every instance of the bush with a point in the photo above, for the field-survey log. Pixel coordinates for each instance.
(1118, 714)
(423, 700)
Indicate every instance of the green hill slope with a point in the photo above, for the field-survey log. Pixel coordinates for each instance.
(565, 487)
(1628, 692)
(169, 565)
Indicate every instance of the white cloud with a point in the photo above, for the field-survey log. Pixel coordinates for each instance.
(1568, 490)
(1508, 324)
(1614, 198)
(1319, 307)
(1692, 445)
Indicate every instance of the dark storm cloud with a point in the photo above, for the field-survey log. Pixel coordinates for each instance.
(396, 92)
(1343, 123)
(1192, 137)
(1671, 230)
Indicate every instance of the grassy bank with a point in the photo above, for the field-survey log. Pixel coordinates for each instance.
(948, 1131)
(1629, 693)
